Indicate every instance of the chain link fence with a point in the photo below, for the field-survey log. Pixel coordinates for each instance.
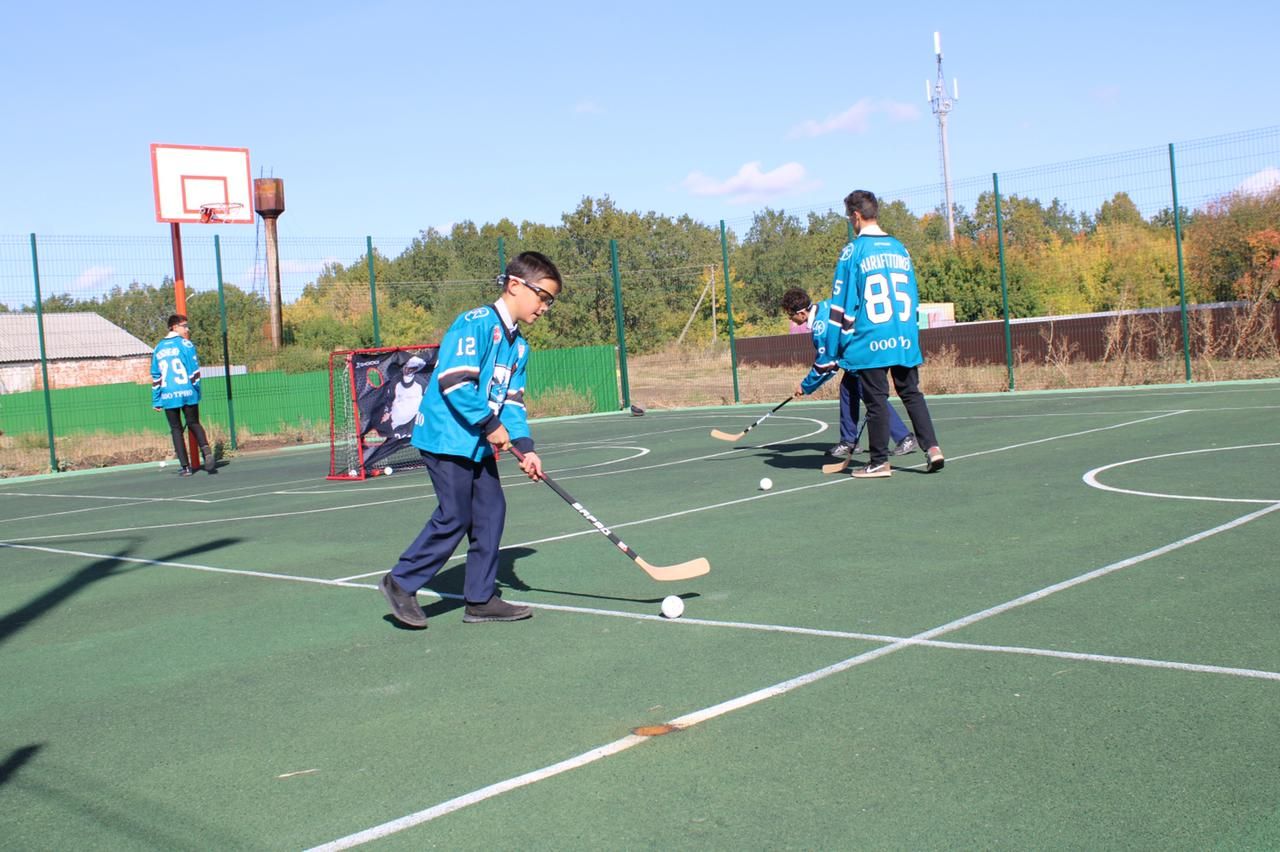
(1157, 265)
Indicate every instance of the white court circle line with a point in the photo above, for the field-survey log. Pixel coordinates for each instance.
(1091, 477)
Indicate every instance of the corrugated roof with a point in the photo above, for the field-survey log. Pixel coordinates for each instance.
(66, 336)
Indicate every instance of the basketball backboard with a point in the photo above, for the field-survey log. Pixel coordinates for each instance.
(187, 178)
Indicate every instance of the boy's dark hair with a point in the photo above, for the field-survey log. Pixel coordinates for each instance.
(864, 203)
(176, 319)
(794, 300)
(531, 266)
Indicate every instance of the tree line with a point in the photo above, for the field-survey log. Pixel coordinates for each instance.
(1056, 261)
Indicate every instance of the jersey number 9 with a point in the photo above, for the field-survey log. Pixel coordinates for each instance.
(180, 376)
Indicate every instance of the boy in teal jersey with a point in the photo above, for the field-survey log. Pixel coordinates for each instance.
(175, 390)
(474, 405)
(874, 302)
(817, 316)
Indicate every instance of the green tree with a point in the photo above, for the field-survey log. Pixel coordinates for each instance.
(1218, 250)
(1119, 211)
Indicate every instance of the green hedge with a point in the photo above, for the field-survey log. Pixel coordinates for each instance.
(268, 402)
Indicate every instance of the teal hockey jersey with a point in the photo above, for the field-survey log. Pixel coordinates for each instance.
(478, 381)
(874, 304)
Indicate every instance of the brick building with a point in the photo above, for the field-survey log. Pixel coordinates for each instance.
(82, 348)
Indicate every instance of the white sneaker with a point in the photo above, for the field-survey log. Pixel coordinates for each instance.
(843, 450)
(908, 445)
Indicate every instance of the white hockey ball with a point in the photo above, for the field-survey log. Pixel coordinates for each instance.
(766, 484)
(162, 464)
(352, 473)
(672, 606)
(386, 471)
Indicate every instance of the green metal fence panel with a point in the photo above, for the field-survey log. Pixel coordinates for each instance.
(586, 372)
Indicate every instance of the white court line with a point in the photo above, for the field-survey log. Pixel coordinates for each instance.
(640, 452)
(103, 497)
(178, 524)
(767, 495)
(1091, 477)
(70, 512)
(702, 622)
(688, 720)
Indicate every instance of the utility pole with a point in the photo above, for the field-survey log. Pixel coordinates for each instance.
(936, 94)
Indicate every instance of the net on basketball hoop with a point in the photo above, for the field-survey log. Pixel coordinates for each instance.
(374, 396)
(214, 213)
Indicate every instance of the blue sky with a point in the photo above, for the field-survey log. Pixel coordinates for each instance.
(386, 118)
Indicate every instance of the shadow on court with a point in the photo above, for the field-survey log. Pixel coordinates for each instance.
(449, 582)
(94, 572)
(17, 759)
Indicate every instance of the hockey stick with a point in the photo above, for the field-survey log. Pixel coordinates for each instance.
(837, 466)
(665, 573)
(725, 436)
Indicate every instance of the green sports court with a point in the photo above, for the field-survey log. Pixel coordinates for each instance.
(1067, 638)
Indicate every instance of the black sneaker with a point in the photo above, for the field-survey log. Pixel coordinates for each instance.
(495, 609)
(210, 460)
(184, 471)
(908, 445)
(873, 471)
(843, 450)
(404, 606)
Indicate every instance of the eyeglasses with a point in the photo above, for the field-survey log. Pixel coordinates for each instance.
(544, 296)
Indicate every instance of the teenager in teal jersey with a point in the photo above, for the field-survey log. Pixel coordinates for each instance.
(797, 305)
(874, 302)
(175, 390)
(474, 405)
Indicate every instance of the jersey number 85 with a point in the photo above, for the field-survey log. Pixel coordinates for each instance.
(879, 293)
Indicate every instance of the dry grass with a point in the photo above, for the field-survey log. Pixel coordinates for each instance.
(677, 379)
(25, 455)
(560, 402)
(680, 377)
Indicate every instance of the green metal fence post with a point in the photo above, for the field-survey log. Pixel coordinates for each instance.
(373, 291)
(617, 319)
(728, 310)
(226, 350)
(44, 358)
(1182, 281)
(1004, 280)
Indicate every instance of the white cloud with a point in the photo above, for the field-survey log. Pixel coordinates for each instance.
(92, 279)
(588, 107)
(752, 184)
(1260, 183)
(856, 119)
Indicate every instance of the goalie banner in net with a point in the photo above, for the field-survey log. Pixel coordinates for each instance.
(373, 399)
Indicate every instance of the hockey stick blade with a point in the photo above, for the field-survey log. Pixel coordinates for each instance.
(725, 436)
(683, 571)
(835, 467)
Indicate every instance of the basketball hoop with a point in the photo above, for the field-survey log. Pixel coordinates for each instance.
(215, 213)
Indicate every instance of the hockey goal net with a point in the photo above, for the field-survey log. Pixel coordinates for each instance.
(373, 400)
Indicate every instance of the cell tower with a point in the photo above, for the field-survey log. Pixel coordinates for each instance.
(936, 94)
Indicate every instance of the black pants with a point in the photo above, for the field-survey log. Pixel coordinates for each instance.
(192, 415)
(875, 393)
